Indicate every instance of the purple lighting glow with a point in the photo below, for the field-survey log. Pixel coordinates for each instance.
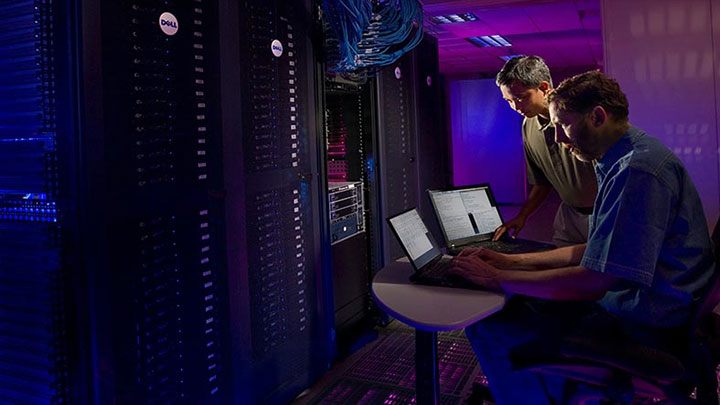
(486, 140)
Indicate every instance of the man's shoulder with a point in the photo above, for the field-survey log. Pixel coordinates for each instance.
(525, 122)
(531, 128)
(649, 154)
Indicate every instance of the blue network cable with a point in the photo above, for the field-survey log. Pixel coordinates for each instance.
(371, 33)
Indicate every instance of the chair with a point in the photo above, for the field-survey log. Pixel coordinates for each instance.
(618, 372)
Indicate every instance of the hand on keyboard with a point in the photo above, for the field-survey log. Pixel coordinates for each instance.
(493, 258)
(477, 271)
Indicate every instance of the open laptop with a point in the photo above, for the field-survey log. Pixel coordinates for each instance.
(431, 266)
(469, 216)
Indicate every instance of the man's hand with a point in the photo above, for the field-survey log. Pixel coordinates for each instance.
(516, 225)
(477, 271)
(491, 257)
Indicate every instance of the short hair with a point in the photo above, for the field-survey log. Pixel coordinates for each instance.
(530, 71)
(581, 93)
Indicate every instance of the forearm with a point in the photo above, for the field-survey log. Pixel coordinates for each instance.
(538, 194)
(567, 256)
(567, 283)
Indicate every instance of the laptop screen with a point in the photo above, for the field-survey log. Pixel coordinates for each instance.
(466, 212)
(416, 240)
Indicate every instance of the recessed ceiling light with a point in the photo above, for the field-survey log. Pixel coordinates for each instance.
(501, 40)
(454, 18)
(485, 41)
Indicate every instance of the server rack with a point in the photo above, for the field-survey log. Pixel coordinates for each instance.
(386, 131)
(412, 146)
(397, 141)
(281, 330)
(350, 156)
(432, 144)
(154, 218)
(36, 224)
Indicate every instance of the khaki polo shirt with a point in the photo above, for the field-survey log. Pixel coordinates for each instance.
(548, 163)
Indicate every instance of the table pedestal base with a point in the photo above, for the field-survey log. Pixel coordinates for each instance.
(427, 388)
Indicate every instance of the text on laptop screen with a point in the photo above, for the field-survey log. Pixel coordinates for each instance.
(412, 233)
(466, 212)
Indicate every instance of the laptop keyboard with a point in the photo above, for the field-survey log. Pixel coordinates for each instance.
(499, 246)
(439, 275)
(506, 246)
(439, 270)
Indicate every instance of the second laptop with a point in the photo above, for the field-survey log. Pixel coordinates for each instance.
(469, 216)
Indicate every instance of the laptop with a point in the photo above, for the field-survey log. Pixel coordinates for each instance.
(469, 216)
(431, 266)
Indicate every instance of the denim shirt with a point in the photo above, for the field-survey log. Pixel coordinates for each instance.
(648, 229)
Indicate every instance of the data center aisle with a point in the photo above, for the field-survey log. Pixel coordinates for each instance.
(383, 372)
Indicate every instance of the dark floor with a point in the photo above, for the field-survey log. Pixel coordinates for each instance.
(383, 372)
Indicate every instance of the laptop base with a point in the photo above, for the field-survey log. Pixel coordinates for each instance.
(507, 245)
(450, 282)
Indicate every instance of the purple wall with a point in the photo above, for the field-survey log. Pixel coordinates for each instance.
(666, 56)
(486, 139)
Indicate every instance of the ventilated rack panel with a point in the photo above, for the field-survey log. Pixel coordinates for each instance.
(274, 138)
(278, 155)
(33, 352)
(279, 274)
(397, 144)
(163, 162)
(175, 292)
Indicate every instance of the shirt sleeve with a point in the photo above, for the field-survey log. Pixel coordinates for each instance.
(629, 226)
(535, 175)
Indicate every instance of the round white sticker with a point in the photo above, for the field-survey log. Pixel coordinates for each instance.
(168, 23)
(398, 73)
(276, 48)
(429, 81)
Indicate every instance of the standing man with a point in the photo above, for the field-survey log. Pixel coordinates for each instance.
(647, 263)
(525, 82)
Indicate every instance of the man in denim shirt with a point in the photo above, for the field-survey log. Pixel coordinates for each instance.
(647, 263)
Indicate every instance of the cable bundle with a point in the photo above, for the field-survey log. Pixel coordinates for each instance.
(371, 33)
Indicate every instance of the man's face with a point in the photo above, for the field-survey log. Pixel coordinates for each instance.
(527, 101)
(574, 132)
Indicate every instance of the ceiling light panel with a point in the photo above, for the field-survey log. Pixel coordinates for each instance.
(485, 41)
(454, 18)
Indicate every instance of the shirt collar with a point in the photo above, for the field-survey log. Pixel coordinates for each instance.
(540, 125)
(619, 149)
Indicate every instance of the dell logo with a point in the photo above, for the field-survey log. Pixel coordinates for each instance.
(276, 48)
(168, 24)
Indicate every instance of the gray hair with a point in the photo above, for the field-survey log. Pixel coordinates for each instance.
(530, 71)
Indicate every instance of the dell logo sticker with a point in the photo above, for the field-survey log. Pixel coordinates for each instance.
(168, 23)
(276, 48)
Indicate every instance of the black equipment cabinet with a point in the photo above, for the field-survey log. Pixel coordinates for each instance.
(350, 157)
(280, 326)
(386, 130)
(433, 163)
(412, 146)
(158, 285)
(37, 211)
